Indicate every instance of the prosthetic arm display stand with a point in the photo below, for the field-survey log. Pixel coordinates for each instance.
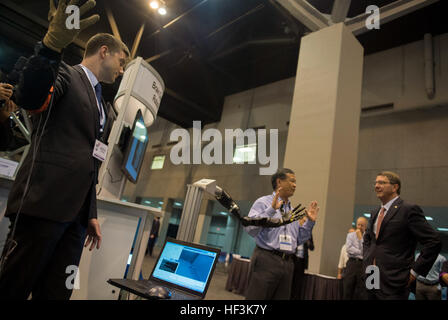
(193, 199)
(125, 227)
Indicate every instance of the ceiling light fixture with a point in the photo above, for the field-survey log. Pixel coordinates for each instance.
(158, 5)
(162, 11)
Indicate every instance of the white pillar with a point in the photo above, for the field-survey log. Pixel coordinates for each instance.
(190, 213)
(322, 140)
(203, 221)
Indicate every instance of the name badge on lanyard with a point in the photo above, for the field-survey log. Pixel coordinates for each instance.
(285, 242)
(100, 150)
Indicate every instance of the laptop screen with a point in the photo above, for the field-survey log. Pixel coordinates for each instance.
(186, 265)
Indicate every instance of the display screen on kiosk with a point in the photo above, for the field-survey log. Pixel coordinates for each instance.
(135, 150)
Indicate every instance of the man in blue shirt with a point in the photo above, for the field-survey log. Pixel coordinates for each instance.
(354, 286)
(272, 263)
(428, 288)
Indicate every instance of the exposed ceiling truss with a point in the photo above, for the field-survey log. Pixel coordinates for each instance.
(314, 20)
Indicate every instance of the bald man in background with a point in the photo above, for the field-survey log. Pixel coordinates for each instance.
(354, 286)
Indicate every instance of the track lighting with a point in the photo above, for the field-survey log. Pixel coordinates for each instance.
(158, 5)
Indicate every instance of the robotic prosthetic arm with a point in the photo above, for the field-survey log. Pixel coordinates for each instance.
(227, 202)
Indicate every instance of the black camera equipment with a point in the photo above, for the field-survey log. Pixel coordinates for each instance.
(13, 77)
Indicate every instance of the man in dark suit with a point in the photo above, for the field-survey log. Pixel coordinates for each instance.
(300, 265)
(52, 204)
(153, 235)
(391, 239)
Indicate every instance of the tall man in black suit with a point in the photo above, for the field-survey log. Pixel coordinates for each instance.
(391, 239)
(53, 200)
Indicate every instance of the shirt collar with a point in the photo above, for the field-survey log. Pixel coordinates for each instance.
(388, 205)
(92, 78)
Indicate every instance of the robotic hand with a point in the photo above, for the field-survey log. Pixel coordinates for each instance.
(227, 202)
(296, 214)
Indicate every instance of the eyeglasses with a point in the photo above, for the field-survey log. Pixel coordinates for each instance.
(381, 182)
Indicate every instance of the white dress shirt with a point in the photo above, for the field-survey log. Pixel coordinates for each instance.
(94, 81)
(386, 210)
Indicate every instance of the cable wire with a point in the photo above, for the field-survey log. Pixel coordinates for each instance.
(11, 244)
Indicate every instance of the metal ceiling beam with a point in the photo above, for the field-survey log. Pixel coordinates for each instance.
(158, 56)
(291, 22)
(388, 13)
(228, 24)
(150, 21)
(340, 10)
(258, 42)
(176, 19)
(112, 22)
(136, 43)
(193, 105)
(312, 18)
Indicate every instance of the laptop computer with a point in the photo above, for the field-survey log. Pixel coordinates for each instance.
(183, 269)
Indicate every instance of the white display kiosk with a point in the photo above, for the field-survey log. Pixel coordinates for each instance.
(123, 226)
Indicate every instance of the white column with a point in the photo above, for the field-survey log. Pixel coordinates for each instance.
(322, 140)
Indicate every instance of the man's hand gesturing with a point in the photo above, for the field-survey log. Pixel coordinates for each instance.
(275, 203)
(58, 35)
(312, 211)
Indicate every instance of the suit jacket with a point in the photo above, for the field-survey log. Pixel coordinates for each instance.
(65, 173)
(308, 245)
(403, 226)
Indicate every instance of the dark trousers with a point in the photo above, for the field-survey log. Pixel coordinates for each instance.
(354, 287)
(38, 265)
(375, 294)
(270, 276)
(151, 243)
(298, 279)
(378, 295)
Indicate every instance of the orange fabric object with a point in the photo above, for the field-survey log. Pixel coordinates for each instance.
(46, 103)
